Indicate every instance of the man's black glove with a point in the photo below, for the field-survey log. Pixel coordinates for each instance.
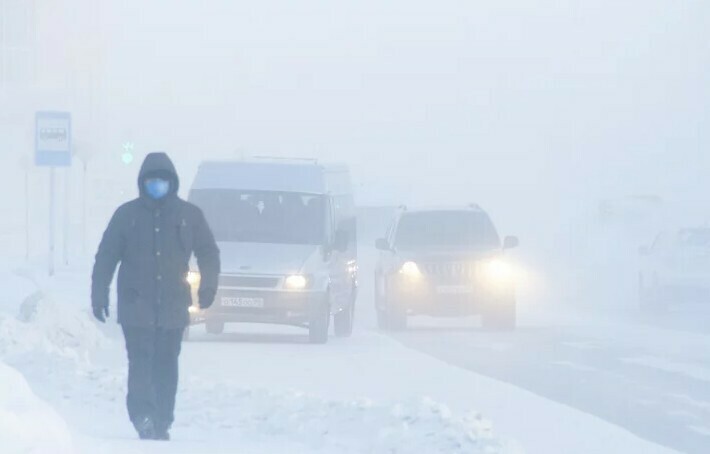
(101, 313)
(206, 299)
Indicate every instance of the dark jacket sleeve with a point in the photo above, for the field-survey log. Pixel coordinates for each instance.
(107, 258)
(208, 261)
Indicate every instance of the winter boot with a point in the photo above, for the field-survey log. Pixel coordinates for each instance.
(162, 435)
(162, 432)
(145, 429)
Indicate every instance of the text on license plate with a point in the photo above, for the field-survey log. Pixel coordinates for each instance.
(453, 289)
(242, 301)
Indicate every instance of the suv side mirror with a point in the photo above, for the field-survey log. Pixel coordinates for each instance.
(382, 245)
(511, 242)
(341, 240)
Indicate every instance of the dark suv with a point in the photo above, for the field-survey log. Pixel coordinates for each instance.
(444, 262)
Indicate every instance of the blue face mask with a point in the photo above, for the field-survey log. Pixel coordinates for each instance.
(157, 188)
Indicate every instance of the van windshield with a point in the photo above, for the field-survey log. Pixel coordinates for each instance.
(263, 217)
(447, 230)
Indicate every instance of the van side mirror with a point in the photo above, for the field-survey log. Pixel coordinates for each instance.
(382, 245)
(511, 242)
(341, 240)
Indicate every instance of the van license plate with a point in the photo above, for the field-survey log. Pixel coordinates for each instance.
(453, 290)
(242, 302)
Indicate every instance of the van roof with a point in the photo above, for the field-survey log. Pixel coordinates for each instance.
(303, 177)
(439, 208)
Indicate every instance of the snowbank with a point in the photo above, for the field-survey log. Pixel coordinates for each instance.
(27, 425)
(49, 328)
(36, 323)
(421, 425)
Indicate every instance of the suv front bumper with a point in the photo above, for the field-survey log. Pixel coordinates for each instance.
(444, 299)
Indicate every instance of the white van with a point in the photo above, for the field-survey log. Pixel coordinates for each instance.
(287, 235)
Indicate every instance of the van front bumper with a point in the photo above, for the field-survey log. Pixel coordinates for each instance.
(255, 306)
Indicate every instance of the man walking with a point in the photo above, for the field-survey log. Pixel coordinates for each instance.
(153, 238)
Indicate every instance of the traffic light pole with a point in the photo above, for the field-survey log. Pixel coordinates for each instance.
(65, 220)
(52, 202)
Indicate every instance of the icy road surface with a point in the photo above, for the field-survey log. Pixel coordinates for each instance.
(653, 383)
(647, 373)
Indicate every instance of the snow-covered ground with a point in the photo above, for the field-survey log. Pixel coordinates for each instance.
(27, 424)
(264, 389)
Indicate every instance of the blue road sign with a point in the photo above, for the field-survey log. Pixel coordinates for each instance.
(53, 139)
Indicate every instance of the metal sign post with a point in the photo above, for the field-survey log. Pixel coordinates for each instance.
(52, 149)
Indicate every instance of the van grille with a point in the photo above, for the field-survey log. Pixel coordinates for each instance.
(248, 281)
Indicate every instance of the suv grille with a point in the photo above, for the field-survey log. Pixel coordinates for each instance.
(248, 281)
(450, 271)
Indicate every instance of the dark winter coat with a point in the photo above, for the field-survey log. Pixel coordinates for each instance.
(154, 241)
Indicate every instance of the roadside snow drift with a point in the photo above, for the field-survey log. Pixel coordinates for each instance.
(27, 425)
(421, 425)
(36, 323)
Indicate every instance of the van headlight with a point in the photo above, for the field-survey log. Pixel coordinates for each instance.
(296, 282)
(410, 270)
(498, 272)
(194, 278)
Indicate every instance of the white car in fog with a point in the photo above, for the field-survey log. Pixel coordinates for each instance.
(675, 268)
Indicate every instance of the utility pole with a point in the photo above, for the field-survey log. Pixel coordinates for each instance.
(84, 151)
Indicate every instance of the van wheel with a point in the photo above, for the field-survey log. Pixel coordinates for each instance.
(382, 320)
(381, 315)
(214, 327)
(344, 321)
(396, 317)
(319, 323)
(501, 315)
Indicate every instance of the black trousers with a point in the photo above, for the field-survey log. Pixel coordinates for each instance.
(152, 373)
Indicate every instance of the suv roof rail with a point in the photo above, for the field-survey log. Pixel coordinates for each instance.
(285, 158)
(402, 207)
(474, 206)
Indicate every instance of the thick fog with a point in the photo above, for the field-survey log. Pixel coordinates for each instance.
(581, 127)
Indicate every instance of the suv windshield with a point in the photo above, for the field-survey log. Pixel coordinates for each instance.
(446, 229)
(263, 217)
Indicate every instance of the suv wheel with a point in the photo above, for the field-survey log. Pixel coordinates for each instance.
(501, 315)
(381, 319)
(319, 323)
(395, 316)
(214, 327)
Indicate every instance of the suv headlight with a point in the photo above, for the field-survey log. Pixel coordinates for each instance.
(498, 272)
(410, 270)
(296, 282)
(194, 278)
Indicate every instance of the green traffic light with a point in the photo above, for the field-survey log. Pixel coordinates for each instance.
(127, 156)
